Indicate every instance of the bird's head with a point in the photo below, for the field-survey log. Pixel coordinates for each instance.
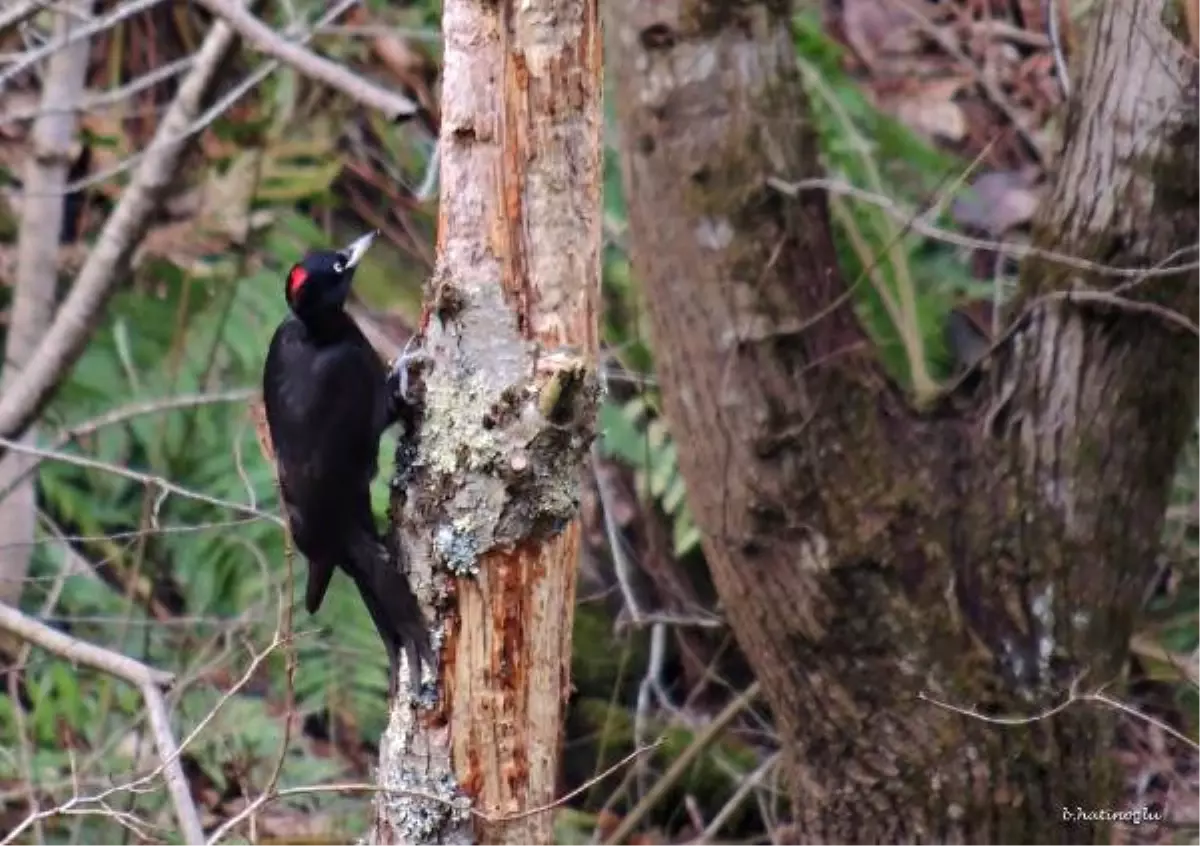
(322, 280)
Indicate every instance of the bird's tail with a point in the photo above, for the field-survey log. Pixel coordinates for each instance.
(392, 604)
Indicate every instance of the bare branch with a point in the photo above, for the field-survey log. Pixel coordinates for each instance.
(72, 806)
(177, 784)
(749, 783)
(122, 12)
(37, 272)
(362, 787)
(129, 412)
(64, 341)
(212, 112)
(19, 13)
(147, 679)
(166, 486)
(362, 90)
(682, 764)
(919, 225)
(133, 410)
(100, 100)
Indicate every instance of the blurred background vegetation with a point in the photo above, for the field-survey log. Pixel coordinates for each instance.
(163, 388)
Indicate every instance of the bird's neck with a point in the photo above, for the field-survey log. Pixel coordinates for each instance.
(326, 325)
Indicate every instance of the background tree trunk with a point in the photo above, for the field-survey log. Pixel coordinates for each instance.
(989, 552)
(42, 215)
(487, 504)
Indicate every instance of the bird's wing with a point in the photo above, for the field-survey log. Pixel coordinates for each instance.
(326, 408)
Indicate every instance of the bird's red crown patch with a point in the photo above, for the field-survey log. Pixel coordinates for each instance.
(296, 280)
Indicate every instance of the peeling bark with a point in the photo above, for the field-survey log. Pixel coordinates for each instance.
(486, 492)
(986, 552)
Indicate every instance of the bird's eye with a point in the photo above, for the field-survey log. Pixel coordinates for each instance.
(338, 267)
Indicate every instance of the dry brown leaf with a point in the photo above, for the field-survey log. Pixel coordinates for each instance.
(928, 108)
(182, 243)
(228, 197)
(997, 202)
(416, 71)
(879, 30)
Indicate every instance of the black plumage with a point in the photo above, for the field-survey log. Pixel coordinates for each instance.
(328, 399)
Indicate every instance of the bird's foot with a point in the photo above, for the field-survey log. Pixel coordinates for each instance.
(398, 376)
(416, 689)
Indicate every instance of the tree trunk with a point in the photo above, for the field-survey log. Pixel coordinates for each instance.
(486, 490)
(990, 551)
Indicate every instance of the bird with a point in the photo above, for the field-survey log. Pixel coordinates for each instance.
(328, 398)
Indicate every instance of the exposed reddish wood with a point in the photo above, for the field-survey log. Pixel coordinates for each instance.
(489, 514)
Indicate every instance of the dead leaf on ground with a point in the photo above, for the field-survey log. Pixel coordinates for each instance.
(927, 107)
(997, 202)
(879, 30)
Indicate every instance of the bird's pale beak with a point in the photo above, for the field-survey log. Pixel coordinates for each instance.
(357, 248)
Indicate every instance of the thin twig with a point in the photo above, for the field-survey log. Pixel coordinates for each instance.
(103, 99)
(1020, 251)
(649, 691)
(622, 565)
(125, 413)
(1073, 696)
(211, 114)
(122, 12)
(749, 783)
(148, 681)
(166, 487)
(680, 765)
(1060, 61)
(72, 805)
(67, 336)
(19, 13)
(429, 182)
(587, 785)
(26, 748)
(383, 30)
(358, 88)
(285, 625)
(364, 787)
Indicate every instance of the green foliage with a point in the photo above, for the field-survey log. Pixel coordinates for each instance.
(866, 148)
(201, 326)
(188, 586)
(640, 439)
(710, 780)
(186, 334)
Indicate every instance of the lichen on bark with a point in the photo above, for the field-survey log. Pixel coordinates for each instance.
(486, 504)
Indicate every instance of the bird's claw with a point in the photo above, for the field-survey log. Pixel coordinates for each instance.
(398, 376)
(415, 686)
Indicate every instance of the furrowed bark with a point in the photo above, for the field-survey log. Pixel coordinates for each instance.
(487, 489)
(989, 552)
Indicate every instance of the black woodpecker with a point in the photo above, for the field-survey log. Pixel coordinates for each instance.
(328, 399)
